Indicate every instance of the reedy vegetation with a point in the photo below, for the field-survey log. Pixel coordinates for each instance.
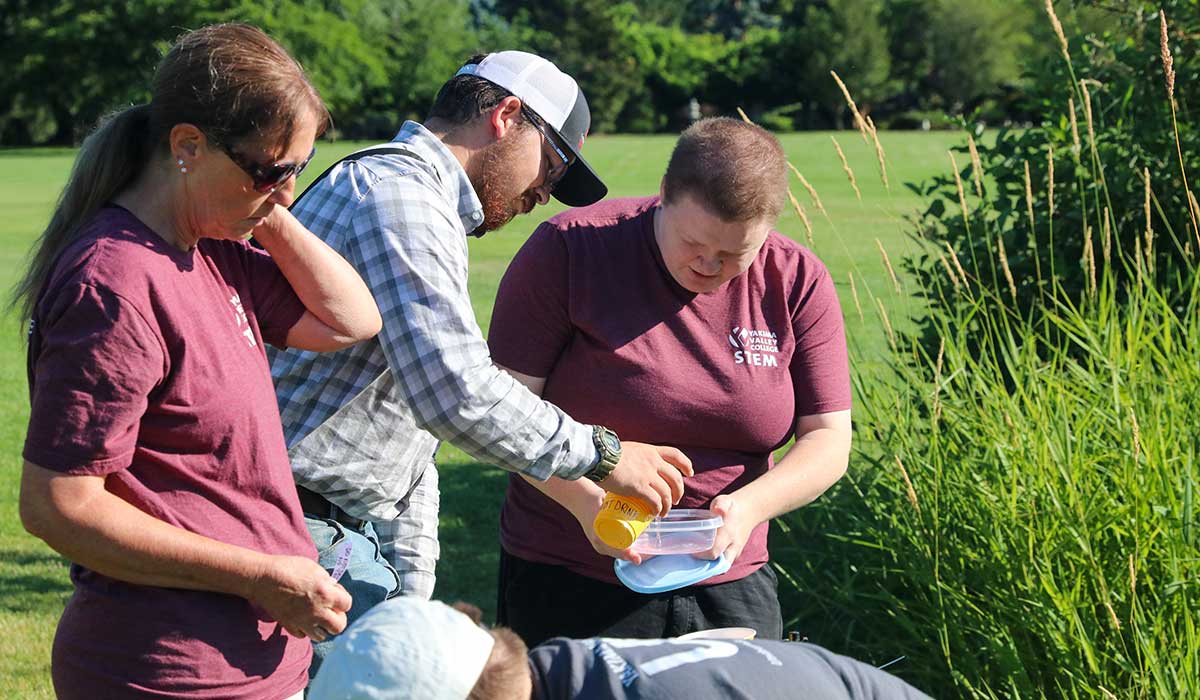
(1019, 520)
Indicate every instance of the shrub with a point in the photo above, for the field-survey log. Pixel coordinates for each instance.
(1109, 105)
(1020, 518)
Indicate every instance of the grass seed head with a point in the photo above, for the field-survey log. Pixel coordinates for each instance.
(1008, 276)
(1058, 30)
(803, 216)
(908, 485)
(976, 167)
(1076, 148)
(962, 197)
(1168, 61)
(812, 192)
(846, 168)
(857, 306)
(859, 122)
(887, 262)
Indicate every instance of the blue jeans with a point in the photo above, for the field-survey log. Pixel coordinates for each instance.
(369, 578)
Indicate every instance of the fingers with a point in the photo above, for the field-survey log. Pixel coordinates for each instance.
(724, 540)
(673, 480)
(722, 505)
(630, 556)
(341, 600)
(331, 615)
(672, 475)
(330, 622)
(720, 544)
(660, 496)
(678, 459)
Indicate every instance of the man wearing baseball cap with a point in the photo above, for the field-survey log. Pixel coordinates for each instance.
(408, 649)
(362, 425)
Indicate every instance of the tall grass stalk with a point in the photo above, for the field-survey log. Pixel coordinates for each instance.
(1169, 74)
(846, 167)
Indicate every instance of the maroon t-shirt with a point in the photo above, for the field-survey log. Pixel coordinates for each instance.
(146, 366)
(588, 304)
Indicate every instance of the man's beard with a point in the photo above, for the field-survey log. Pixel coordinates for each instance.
(493, 184)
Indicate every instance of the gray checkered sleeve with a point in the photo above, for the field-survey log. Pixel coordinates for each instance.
(406, 246)
(409, 542)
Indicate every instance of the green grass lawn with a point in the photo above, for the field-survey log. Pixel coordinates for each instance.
(33, 580)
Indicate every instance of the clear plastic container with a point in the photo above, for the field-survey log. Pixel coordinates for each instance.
(682, 531)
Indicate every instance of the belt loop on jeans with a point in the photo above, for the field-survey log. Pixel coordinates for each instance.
(314, 503)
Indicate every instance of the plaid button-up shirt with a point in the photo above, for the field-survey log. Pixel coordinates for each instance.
(362, 424)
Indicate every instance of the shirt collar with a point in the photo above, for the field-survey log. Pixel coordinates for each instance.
(449, 171)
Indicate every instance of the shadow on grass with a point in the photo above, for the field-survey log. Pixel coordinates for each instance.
(33, 581)
(470, 533)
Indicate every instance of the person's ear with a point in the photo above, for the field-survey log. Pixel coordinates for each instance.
(505, 117)
(187, 143)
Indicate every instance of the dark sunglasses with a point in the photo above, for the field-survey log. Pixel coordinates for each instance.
(553, 175)
(268, 178)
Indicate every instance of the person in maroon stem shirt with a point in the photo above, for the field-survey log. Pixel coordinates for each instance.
(682, 320)
(155, 458)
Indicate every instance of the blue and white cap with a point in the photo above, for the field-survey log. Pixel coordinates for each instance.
(402, 649)
(556, 98)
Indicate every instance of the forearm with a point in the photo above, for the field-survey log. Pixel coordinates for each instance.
(814, 463)
(107, 534)
(493, 418)
(329, 286)
(581, 497)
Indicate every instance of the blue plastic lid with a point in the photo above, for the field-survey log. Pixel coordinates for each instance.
(666, 572)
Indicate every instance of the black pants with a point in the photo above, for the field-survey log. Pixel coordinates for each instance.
(540, 601)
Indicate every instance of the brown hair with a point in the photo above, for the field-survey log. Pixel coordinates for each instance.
(506, 670)
(464, 98)
(507, 665)
(736, 170)
(231, 81)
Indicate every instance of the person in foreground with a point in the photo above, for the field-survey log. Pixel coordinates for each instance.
(362, 425)
(410, 649)
(681, 320)
(155, 458)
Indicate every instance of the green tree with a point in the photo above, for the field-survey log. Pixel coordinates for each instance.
(846, 36)
(67, 63)
(677, 66)
(589, 40)
(329, 38)
(417, 68)
(952, 55)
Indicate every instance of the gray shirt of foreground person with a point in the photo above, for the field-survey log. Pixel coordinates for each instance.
(690, 669)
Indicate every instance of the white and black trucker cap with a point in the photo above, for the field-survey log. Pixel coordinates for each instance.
(556, 98)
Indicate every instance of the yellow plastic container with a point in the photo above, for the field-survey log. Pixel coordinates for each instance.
(621, 520)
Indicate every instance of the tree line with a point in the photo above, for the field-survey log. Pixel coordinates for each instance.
(646, 65)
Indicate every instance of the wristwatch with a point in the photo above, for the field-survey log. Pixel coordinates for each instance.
(609, 447)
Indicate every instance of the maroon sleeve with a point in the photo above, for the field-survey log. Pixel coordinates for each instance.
(530, 321)
(820, 367)
(96, 362)
(275, 306)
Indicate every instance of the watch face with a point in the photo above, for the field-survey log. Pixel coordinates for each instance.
(611, 443)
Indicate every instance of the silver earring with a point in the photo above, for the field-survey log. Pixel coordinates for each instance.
(181, 168)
